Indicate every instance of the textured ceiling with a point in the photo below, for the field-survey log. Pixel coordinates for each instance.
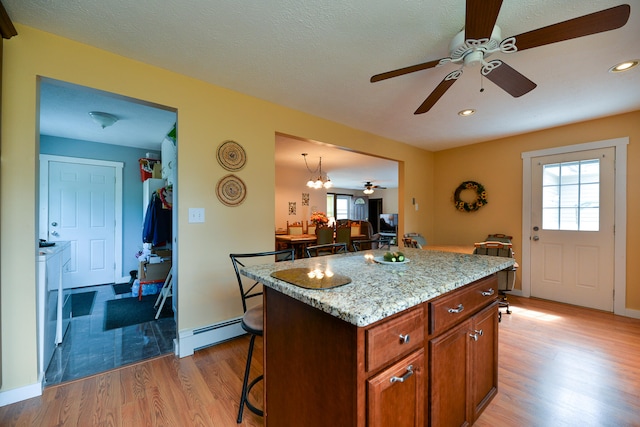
(317, 56)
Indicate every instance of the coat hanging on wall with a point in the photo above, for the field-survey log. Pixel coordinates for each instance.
(157, 228)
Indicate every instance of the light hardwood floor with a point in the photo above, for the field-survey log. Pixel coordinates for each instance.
(559, 366)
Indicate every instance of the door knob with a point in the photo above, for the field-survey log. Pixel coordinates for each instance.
(54, 233)
(536, 238)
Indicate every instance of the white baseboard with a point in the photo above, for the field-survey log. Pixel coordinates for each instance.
(190, 340)
(21, 393)
(631, 313)
(628, 312)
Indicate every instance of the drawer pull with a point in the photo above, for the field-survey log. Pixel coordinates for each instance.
(476, 334)
(458, 309)
(404, 339)
(404, 377)
(488, 293)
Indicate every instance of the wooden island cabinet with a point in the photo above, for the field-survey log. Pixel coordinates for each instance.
(398, 346)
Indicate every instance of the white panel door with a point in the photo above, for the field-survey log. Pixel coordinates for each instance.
(82, 211)
(572, 248)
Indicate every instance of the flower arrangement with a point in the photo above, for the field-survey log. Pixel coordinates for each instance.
(319, 218)
(481, 197)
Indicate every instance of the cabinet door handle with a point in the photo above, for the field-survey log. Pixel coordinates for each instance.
(404, 339)
(458, 309)
(404, 377)
(488, 293)
(476, 334)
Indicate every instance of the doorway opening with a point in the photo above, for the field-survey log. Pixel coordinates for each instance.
(80, 202)
(349, 172)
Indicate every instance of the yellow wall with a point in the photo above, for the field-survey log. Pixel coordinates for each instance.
(498, 166)
(207, 115)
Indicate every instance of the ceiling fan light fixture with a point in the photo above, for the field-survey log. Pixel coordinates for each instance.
(103, 119)
(624, 66)
(368, 191)
(467, 112)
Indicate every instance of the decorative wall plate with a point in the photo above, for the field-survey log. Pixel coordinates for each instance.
(231, 191)
(231, 156)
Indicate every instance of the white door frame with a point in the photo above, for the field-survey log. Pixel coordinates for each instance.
(620, 234)
(43, 217)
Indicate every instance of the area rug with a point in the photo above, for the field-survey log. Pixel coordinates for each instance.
(82, 303)
(121, 288)
(129, 311)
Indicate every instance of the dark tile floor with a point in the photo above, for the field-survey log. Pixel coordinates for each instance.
(88, 349)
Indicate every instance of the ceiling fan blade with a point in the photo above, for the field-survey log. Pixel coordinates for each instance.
(598, 22)
(481, 16)
(511, 81)
(405, 70)
(440, 90)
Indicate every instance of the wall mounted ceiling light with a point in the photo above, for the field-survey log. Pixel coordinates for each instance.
(103, 119)
(466, 113)
(322, 181)
(623, 66)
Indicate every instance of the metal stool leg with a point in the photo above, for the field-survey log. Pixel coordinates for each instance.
(246, 388)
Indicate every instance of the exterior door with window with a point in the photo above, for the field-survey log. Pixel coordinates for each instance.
(572, 219)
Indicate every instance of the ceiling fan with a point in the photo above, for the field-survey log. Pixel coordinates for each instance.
(368, 187)
(480, 38)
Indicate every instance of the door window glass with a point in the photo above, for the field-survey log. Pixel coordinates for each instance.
(571, 196)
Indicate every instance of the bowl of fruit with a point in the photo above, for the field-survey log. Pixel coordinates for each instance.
(391, 258)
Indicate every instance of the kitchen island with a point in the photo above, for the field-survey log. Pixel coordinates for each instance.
(400, 344)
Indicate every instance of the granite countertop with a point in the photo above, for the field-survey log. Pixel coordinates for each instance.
(377, 290)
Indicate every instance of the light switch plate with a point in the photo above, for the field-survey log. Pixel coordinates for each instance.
(196, 214)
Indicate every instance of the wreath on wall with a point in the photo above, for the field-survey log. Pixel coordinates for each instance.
(481, 196)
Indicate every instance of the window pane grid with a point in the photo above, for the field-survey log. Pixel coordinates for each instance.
(571, 196)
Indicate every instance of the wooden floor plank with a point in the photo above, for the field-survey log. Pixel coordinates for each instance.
(559, 365)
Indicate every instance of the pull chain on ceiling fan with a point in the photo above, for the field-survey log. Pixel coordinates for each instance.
(481, 37)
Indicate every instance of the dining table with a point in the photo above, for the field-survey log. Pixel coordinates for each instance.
(297, 241)
(300, 241)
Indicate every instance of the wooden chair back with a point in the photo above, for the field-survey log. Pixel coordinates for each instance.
(408, 242)
(311, 227)
(324, 235)
(295, 228)
(343, 235)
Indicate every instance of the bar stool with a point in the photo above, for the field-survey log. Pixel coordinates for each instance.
(252, 320)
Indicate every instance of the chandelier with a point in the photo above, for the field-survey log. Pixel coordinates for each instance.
(322, 181)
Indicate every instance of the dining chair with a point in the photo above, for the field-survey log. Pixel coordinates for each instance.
(380, 243)
(410, 243)
(343, 235)
(355, 228)
(324, 235)
(326, 249)
(252, 319)
(311, 227)
(506, 277)
(295, 228)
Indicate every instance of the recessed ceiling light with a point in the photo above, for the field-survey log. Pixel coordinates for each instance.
(623, 66)
(467, 112)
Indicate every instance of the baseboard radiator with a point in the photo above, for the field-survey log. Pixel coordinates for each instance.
(190, 340)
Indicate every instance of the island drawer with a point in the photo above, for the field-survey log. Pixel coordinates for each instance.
(459, 305)
(394, 338)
